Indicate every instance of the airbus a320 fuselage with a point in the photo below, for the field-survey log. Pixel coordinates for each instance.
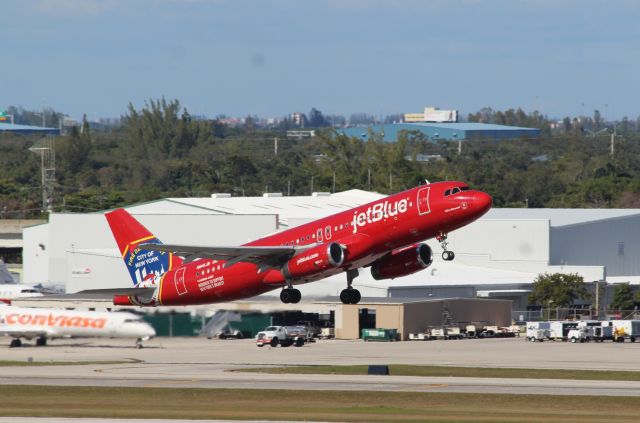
(384, 235)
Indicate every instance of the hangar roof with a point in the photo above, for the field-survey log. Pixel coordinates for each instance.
(290, 210)
(27, 129)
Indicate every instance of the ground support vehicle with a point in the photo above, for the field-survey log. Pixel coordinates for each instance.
(560, 329)
(624, 329)
(538, 331)
(454, 333)
(419, 336)
(471, 331)
(580, 334)
(284, 336)
(327, 333)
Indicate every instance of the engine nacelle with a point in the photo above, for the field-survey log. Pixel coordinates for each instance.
(315, 260)
(403, 262)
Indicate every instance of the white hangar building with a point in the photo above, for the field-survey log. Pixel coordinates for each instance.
(498, 256)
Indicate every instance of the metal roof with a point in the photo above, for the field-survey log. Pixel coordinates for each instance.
(470, 126)
(28, 129)
(443, 131)
(291, 211)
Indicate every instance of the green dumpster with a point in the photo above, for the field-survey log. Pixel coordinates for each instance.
(379, 334)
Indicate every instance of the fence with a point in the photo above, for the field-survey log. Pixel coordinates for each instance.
(558, 313)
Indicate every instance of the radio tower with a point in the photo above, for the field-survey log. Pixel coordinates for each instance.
(48, 163)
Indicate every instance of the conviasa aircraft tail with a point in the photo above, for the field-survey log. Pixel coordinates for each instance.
(385, 235)
(143, 266)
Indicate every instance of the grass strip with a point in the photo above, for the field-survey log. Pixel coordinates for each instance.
(16, 363)
(346, 406)
(450, 371)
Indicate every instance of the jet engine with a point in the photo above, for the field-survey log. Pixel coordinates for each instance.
(403, 262)
(315, 260)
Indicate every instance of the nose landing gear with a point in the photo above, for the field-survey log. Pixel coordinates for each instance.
(446, 254)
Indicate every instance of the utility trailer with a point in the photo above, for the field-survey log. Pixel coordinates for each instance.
(560, 329)
(538, 331)
(624, 329)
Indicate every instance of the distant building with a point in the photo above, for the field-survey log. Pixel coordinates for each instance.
(10, 128)
(443, 131)
(432, 114)
(297, 119)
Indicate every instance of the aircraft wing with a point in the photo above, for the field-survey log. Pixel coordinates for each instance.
(258, 255)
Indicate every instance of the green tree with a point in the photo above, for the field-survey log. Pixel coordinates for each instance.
(79, 149)
(558, 289)
(622, 297)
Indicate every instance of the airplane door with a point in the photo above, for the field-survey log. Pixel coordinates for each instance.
(327, 232)
(423, 201)
(319, 235)
(179, 281)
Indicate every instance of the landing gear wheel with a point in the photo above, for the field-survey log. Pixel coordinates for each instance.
(448, 255)
(350, 296)
(15, 343)
(290, 296)
(41, 341)
(297, 296)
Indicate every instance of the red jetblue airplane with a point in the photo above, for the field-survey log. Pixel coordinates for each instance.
(384, 235)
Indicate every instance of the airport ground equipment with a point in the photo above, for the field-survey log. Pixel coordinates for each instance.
(379, 334)
(580, 334)
(538, 331)
(624, 329)
(327, 333)
(284, 336)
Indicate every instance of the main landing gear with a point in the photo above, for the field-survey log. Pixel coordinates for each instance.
(350, 295)
(290, 295)
(446, 254)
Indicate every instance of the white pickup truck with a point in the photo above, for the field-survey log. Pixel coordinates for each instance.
(284, 336)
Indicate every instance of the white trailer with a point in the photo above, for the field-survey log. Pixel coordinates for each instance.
(538, 331)
(625, 329)
(560, 329)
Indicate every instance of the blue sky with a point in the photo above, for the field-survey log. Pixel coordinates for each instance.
(271, 58)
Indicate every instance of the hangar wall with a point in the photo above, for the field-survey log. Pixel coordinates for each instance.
(614, 243)
(36, 261)
(509, 244)
(79, 232)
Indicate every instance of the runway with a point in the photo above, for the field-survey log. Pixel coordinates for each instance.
(201, 363)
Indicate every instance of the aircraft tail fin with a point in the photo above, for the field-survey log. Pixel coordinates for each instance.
(143, 266)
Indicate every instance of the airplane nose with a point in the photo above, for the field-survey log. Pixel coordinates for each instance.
(482, 201)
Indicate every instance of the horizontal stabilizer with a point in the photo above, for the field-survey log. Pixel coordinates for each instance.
(100, 294)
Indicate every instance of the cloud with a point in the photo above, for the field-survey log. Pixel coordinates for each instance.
(74, 7)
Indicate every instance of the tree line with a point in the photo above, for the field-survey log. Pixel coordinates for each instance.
(160, 150)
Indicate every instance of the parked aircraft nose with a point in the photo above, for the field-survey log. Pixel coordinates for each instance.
(482, 202)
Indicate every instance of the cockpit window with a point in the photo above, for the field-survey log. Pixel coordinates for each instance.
(455, 191)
